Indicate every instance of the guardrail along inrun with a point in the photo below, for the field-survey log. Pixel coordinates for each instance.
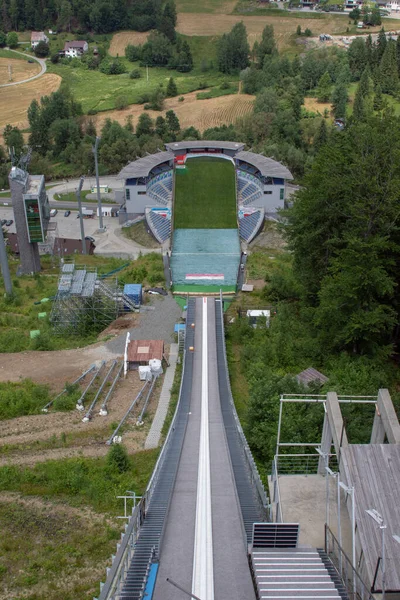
(151, 531)
(253, 506)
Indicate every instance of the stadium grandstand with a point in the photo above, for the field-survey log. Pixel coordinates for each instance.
(201, 199)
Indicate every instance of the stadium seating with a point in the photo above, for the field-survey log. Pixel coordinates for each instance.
(249, 187)
(250, 225)
(160, 188)
(160, 224)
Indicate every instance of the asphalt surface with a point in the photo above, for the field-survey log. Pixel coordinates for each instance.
(43, 69)
(156, 324)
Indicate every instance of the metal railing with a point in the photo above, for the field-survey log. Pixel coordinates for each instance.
(116, 575)
(356, 588)
(255, 475)
(301, 464)
(278, 516)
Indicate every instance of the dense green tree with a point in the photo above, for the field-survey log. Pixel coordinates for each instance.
(381, 44)
(118, 459)
(5, 17)
(144, 126)
(324, 88)
(157, 51)
(345, 236)
(358, 57)
(64, 132)
(166, 27)
(14, 139)
(321, 136)
(267, 46)
(3, 39)
(364, 85)
(170, 12)
(389, 76)
(233, 50)
(42, 49)
(184, 59)
(172, 121)
(360, 111)
(378, 99)
(339, 101)
(172, 90)
(12, 40)
(161, 127)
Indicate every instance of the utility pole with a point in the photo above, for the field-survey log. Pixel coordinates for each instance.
(78, 197)
(147, 73)
(4, 264)
(96, 164)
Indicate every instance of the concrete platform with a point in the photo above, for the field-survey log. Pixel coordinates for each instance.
(303, 500)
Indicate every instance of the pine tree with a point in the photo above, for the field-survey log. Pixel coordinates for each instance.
(172, 120)
(381, 44)
(170, 12)
(339, 101)
(378, 99)
(324, 88)
(359, 108)
(185, 59)
(161, 127)
(364, 85)
(398, 53)
(388, 69)
(172, 90)
(321, 136)
(267, 46)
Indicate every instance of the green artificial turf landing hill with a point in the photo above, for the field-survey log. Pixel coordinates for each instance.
(205, 195)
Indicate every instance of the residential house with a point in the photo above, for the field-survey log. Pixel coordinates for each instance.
(76, 48)
(38, 36)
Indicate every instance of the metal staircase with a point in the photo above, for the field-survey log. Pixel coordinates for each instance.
(116, 294)
(287, 573)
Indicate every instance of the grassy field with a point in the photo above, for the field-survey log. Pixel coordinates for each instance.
(138, 233)
(205, 195)
(57, 527)
(98, 92)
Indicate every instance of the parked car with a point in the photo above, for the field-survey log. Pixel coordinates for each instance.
(9, 222)
(3, 222)
(31, 61)
(159, 291)
(90, 238)
(67, 213)
(53, 212)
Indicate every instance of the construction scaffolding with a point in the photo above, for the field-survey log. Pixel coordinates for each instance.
(84, 303)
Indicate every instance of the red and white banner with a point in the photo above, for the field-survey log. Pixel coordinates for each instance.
(209, 276)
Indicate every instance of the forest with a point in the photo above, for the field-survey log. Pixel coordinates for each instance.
(81, 15)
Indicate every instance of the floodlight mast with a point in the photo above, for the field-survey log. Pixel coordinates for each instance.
(78, 197)
(96, 165)
(4, 264)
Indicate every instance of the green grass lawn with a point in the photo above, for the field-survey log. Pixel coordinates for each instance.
(205, 195)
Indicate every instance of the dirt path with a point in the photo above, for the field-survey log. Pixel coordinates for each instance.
(54, 368)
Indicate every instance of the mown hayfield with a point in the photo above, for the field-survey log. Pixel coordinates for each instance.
(205, 195)
(20, 69)
(123, 38)
(201, 114)
(284, 26)
(206, 6)
(15, 100)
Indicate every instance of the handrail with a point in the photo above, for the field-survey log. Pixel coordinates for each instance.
(277, 493)
(116, 575)
(356, 588)
(255, 475)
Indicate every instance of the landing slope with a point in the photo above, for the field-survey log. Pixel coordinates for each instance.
(205, 195)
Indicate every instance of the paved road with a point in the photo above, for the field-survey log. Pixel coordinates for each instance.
(41, 62)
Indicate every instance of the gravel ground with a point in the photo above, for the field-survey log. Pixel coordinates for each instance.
(157, 324)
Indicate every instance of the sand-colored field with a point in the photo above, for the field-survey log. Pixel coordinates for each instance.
(20, 69)
(284, 27)
(123, 38)
(201, 114)
(15, 100)
(313, 105)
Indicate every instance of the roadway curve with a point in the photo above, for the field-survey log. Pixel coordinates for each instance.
(41, 62)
